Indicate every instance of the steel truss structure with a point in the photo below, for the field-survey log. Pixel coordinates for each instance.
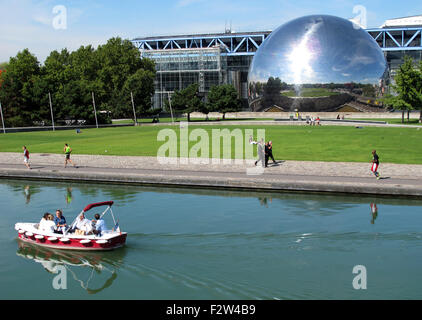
(186, 59)
(232, 44)
(398, 39)
(389, 39)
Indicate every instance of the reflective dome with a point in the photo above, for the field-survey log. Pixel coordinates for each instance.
(316, 63)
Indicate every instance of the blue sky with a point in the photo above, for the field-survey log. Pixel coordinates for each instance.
(29, 23)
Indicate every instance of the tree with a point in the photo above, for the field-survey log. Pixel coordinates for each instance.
(418, 92)
(408, 88)
(223, 98)
(19, 106)
(272, 91)
(111, 72)
(141, 85)
(188, 100)
(119, 59)
(397, 103)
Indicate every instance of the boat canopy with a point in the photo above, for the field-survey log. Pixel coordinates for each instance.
(98, 204)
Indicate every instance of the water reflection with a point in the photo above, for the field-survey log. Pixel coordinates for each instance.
(69, 197)
(264, 201)
(374, 212)
(97, 268)
(27, 193)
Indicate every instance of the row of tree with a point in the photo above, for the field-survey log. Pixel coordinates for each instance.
(408, 89)
(221, 98)
(112, 71)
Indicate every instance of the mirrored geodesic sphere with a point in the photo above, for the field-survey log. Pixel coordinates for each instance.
(317, 63)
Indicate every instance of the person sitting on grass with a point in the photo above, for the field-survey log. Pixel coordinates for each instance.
(318, 121)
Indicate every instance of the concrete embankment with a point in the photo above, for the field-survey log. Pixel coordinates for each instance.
(301, 176)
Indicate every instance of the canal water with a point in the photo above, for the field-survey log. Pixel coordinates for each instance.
(204, 244)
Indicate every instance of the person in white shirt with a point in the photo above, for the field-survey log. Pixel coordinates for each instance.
(44, 219)
(47, 224)
(83, 224)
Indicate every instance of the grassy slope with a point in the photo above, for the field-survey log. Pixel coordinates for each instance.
(325, 143)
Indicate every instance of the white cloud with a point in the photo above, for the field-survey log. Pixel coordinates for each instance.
(28, 24)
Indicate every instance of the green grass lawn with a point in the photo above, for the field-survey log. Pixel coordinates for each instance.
(310, 93)
(396, 121)
(178, 119)
(325, 143)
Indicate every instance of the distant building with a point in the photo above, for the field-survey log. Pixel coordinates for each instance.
(211, 59)
(399, 37)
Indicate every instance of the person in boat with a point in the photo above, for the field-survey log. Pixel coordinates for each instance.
(47, 223)
(60, 221)
(43, 220)
(82, 224)
(100, 225)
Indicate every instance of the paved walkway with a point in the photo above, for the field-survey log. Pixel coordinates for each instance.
(284, 175)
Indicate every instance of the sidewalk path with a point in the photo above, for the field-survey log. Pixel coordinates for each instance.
(285, 175)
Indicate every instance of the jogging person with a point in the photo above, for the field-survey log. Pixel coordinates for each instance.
(67, 150)
(26, 157)
(375, 164)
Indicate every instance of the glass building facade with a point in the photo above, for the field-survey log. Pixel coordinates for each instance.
(177, 69)
(209, 59)
(212, 59)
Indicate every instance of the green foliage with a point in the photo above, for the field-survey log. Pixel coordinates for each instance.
(112, 72)
(223, 98)
(188, 100)
(368, 91)
(408, 86)
(272, 90)
(17, 85)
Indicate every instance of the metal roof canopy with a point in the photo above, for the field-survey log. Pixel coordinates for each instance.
(232, 44)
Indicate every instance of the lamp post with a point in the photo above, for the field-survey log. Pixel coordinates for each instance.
(95, 110)
(2, 119)
(133, 106)
(171, 110)
(51, 110)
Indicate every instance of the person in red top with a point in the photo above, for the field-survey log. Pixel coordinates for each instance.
(375, 164)
(26, 157)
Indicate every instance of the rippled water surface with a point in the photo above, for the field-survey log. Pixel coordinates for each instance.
(200, 244)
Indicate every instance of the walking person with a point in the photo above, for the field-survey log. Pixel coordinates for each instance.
(270, 151)
(67, 150)
(267, 154)
(26, 157)
(261, 151)
(375, 164)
